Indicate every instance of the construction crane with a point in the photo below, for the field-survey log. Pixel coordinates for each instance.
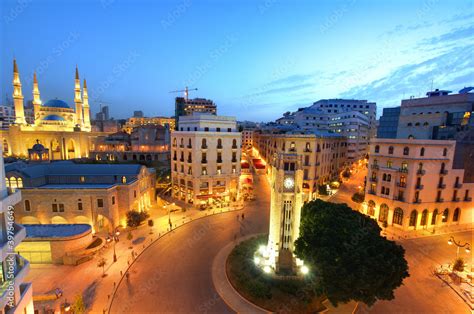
(185, 90)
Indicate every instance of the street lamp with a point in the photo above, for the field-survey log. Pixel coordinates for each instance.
(458, 245)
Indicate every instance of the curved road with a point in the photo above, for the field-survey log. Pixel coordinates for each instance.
(174, 274)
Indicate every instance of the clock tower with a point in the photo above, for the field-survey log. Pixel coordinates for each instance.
(285, 212)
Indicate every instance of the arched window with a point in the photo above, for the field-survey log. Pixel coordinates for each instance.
(404, 165)
(371, 208)
(411, 137)
(389, 177)
(390, 150)
(174, 142)
(13, 184)
(457, 211)
(219, 143)
(234, 143)
(445, 215)
(384, 177)
(426, 124)
(5, 146)
(204, 143)
(189, 144)
(375, 162)
(20, 183)
(413, 216)
(27, 206)
(181, 142)
(383, 215)
(424, 217)
(7, 183)
(398, 216)
(124, 179)
(406, 151)
(445, 152)
(434, 217)
(422, 151)
(377, 148)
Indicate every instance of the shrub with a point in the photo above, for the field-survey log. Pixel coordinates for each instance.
(135, 218)
(358, 197)
(150, 223)
(322, 189)
(458, 264)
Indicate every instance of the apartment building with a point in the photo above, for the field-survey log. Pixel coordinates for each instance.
(205, 163)
(416, 184)
(247, 138)
(324, 155)
(187, 107)
(16, 296)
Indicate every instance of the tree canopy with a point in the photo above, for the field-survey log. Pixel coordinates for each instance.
(348, 258)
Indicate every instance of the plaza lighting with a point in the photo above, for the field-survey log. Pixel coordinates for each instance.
(256, 260)
(261, 249)
(459, 245)
(267, 269)
(304, 269)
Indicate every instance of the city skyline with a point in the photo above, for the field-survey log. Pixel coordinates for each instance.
(260, 65)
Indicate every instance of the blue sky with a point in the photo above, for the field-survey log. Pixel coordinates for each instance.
(256, 59)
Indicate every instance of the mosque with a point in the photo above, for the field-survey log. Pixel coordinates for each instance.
(63, 129)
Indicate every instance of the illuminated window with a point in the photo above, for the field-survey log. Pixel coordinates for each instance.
(124, 179)
(82, 179)
(27, 206)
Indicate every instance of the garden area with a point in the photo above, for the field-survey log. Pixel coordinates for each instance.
(273, 294)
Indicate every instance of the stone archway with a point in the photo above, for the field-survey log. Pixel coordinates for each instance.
(59, 220)
(29, 220)
(71, 149)
(6, 150)
(55, 149)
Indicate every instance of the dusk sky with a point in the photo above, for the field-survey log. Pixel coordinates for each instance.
(255, 59)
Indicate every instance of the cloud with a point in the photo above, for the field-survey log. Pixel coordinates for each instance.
(458, 34)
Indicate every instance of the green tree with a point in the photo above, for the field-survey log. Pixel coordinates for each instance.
(78, 306)
(101, 263)
(348, 257)
(458, 264)
(358, 197)
(135, 218)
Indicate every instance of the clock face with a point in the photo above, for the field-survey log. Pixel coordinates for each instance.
(288, 183)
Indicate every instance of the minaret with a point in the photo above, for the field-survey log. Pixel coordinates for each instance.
(36, 99)
(87, 113)
(77, 99)
(18, 96)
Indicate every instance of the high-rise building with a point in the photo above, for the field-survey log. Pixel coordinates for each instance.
(138, 114)
(16, 296)
(186, 107)
(205, 165)
(388, 123)
(103, 114)
(7, 117)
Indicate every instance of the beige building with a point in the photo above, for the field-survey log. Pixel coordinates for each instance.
(247, 138)
(64, 130)
(66, 192)
(205, 159)
(415, 184)
(135, 122)
(323, 156)
(16, 296)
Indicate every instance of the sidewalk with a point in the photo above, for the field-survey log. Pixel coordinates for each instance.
(86, 279)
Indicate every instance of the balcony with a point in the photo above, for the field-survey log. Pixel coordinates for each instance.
(417, 201)
(375, 167)
(443, 172)
(189, 146)
(439, 200)
(419, 187)
(234, 147)
(307, 150)
(204, 161)
(457, 185)
(372, 192)
(468, 199)
(402, 184)
(203, 146)
(373, 179)
(189, 160)
(219, 160)
(441, 186)
(318, 163)
(420, 172)
(399, 198)
(175, 158)
(234, 159)
(219, 146)
(181, 159)
(181, 146)
(455, 199)
(403, 170)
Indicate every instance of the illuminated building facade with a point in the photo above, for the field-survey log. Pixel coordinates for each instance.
(135, 122)
(187, 107)
(64, 130)
(205, 159)
(66, 192)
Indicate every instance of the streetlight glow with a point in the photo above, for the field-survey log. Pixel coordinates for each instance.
(304, 269)
(256, 260)
(267, 269)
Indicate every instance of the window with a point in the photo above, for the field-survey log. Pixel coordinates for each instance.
(377, 148)
(229, 129)
(218, 129)
(404, 165)
(234, 143)
(390, 150)
(398, 216)
(54, 208)
(424, 217)
(135, 193)
(456, 214)
(434, 217)
(79, 204)
(445, 215)
(100, 202)
(413, 216)
(389, 164)
(204, 143)
(124, 179)
(445, 152)
(113, 200)
(406, 151)
(383, 215)
(234, 169)
(206, 129)
(422, 151)
(27, 206)
(219, 143)
(204, 171)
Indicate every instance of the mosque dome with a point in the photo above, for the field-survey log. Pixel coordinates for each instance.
(53, 117)
(56, 103)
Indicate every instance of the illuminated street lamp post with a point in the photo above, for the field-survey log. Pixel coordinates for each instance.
(467, 246)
